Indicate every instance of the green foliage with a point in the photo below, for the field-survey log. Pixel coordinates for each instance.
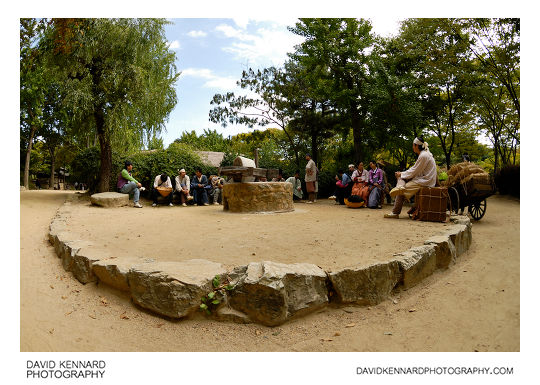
(117, 78)
(211, 301)
(210, 140)
(146, 165)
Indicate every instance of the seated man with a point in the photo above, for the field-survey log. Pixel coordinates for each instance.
(297, 185)
(422, 174)
(199, 183)
(163, 187)
(182, 186)
(217, 188)
(128, 185)
(343, 182)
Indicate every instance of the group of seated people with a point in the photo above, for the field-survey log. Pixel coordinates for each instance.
(359, 185)
(198, 190)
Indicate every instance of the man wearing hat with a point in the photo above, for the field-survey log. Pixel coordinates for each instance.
(128, 185)
(422, 174)
(182, 186)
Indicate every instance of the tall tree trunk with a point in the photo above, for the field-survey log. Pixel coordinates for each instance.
(105, 166)
(356, 124)
(53, 158)
(27, 161)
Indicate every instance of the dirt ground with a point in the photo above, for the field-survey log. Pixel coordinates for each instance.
(324, 234)
(472, 306)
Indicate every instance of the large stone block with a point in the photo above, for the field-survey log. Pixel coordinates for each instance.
(461, 236)
(113, 272)
(416, 264)
(445, 251)
(258, 197)
(365, 285)
(110, 199)
(173, 289)
(270, 293)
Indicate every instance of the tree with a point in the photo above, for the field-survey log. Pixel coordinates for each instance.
(338, 47)
(440, 50)
(265, 108)
(118, 78)
(33, 84)
(497, 68)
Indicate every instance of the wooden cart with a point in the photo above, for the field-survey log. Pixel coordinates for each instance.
(471, 194)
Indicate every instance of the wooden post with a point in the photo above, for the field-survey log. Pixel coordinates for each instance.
(256, 155)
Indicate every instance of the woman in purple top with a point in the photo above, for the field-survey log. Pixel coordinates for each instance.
(376, 183)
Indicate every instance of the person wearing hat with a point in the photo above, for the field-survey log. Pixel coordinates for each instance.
(128, 185)
(311, 179)
(182, 187)
(422, 174)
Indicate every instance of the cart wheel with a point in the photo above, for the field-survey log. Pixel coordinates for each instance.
(478, 209)
(454, 200)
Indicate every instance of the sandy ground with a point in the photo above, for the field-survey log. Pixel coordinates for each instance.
(328, 235)
(472, 306)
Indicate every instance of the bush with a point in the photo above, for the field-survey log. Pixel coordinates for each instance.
(507, 180)
(146, 165)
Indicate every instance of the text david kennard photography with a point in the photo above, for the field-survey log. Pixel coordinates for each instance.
(65, 369)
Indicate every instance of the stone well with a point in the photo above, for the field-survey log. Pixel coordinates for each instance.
(254, 197)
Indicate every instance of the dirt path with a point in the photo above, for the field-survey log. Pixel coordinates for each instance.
(473, 306)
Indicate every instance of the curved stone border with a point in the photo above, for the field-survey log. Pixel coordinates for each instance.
(268, 293)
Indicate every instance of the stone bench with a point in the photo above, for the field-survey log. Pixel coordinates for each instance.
(110, 199)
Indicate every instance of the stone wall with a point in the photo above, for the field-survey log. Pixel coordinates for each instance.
(254, 197)
(267, 292)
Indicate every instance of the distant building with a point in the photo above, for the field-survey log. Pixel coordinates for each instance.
(211, 158)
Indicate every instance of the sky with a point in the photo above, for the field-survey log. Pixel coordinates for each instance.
(211, 54)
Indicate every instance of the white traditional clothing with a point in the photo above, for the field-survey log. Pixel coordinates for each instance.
(297, 186)
(311, 171)
(157, 182)
(363, 176)
(182, 181)
(422, 174)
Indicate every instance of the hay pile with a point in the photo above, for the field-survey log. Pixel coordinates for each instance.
(464, 172)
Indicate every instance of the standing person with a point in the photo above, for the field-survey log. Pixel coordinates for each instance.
(343, 182)
(297, 185)
(128, 185)
(182, 186)
(311, 179)
(422, 174)
(199, 185)
(162, 182)
(376, 185)
(360, 178)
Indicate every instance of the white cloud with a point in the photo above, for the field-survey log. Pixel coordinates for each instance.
(212, 80)
(266, 46)
(197, 34)
(174, 45)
